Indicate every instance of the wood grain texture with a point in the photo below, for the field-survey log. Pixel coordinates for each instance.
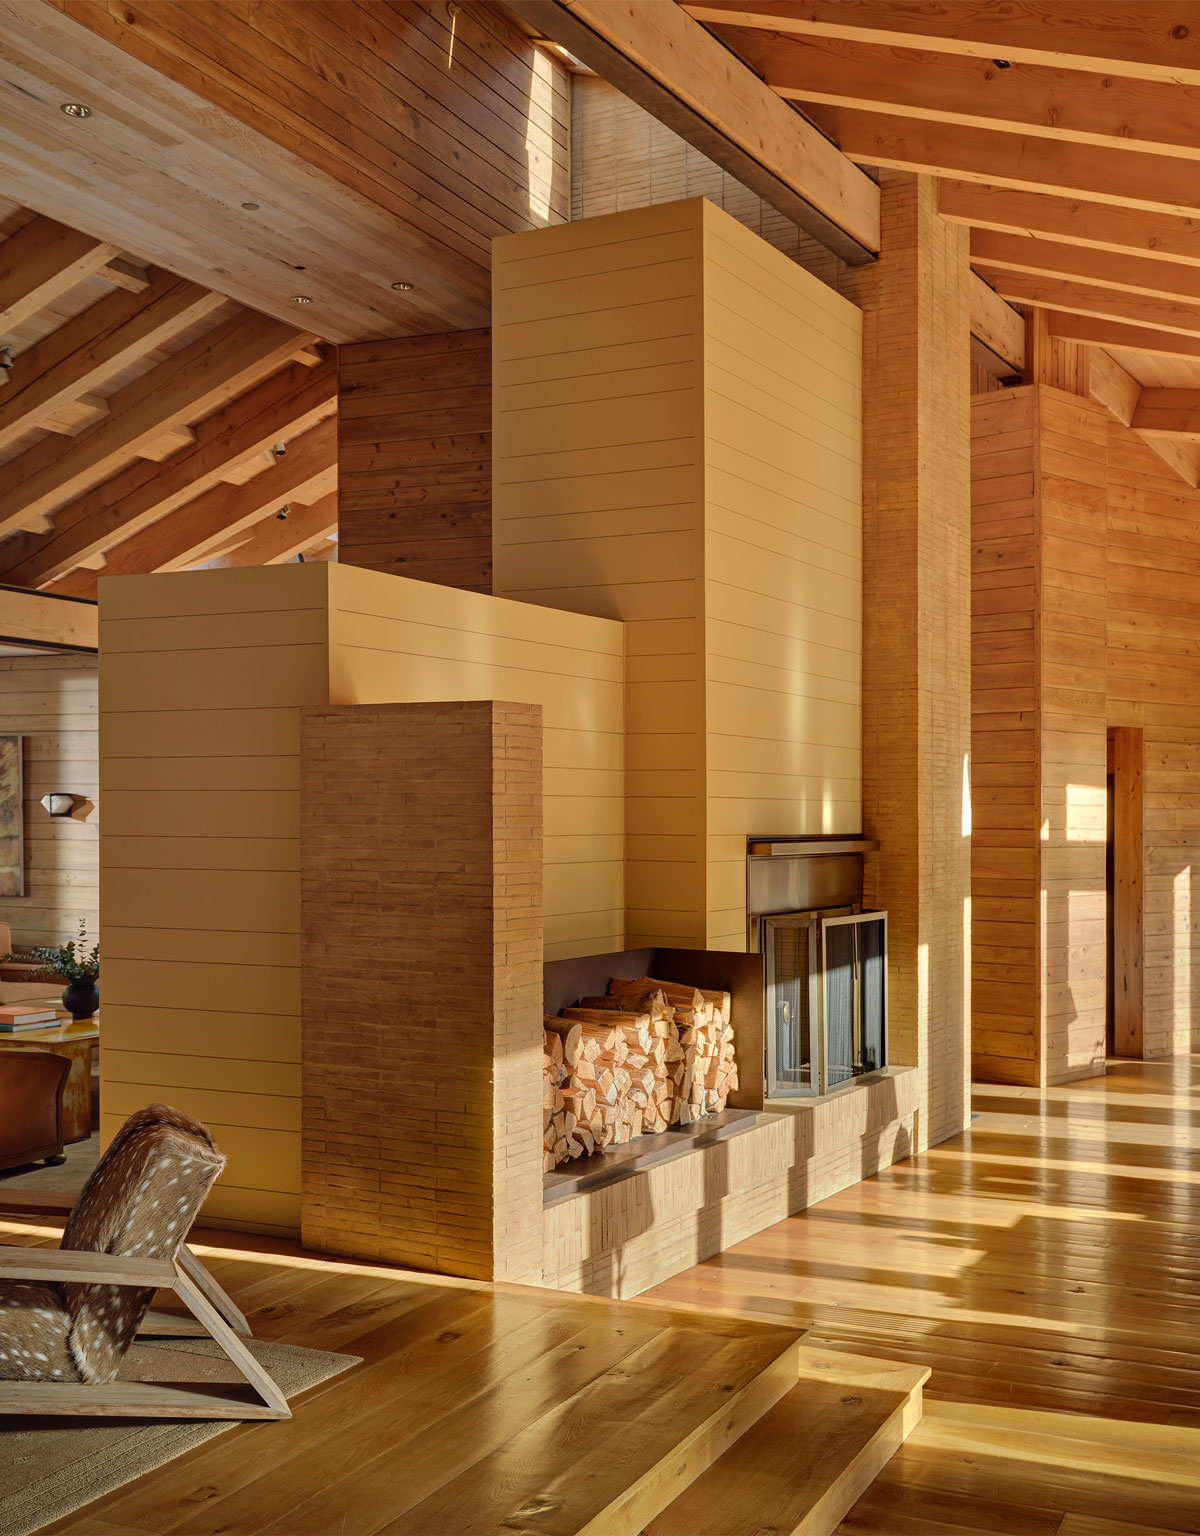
(415, 458)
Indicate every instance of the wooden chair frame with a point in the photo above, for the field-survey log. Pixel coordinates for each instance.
(213, 1315)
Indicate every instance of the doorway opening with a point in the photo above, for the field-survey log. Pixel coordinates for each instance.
(1124, 910)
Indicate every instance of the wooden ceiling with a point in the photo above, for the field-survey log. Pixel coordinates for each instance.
(1065, 133)
(358, 156)
(148, 423)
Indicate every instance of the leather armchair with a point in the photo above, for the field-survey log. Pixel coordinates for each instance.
(31, 1091)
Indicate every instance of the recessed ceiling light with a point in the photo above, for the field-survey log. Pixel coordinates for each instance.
(251, 207)
(402, 287)
(301, 298)
(76, 109)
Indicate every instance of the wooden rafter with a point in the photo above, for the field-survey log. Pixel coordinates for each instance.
(660, 58)
(1027, 288)
(277, 540)
(1095, 331)
(97, 344)
(192, 381)
(1052, 258)
(125, 511)
(40, 619)
(998, 329)
(1168, 413)
(1139, 40)
(199, 526)
(43, 261)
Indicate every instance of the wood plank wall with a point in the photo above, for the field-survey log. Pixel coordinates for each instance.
(653, 465)
(415, 457)
(50, 702)
(1005, 743)
(395, 640)
(1154, 682)
(460, 125)
(203, 679)
(422, 932)
(783, 559)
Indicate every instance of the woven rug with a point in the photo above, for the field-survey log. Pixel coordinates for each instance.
(50, 1467)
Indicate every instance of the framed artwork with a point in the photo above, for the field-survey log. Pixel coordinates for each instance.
(12, 820)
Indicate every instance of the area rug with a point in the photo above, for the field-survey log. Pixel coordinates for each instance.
(51, 1467)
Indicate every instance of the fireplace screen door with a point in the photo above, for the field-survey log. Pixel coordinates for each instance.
(826, 1000)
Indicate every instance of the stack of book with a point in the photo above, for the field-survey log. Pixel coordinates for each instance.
(17, 1016)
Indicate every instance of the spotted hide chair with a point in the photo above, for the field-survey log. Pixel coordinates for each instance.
(68, 1315)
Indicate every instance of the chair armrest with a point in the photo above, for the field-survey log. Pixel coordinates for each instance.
(20, 1263)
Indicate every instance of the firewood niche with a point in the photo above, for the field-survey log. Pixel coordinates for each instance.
(646, 1042)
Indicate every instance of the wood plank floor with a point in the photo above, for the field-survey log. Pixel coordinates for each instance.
(476, 1409)
(1047, 1266)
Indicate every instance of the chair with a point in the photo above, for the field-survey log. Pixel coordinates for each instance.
(68, 1315)
(31, 1094)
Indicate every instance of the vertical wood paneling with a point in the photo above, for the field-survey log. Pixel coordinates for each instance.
(1073, 483)
(1154, 683)
(50, 702)
(1005, 854)
(415, 457)
(677, 439)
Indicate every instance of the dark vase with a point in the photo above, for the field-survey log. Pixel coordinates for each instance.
(81, 999)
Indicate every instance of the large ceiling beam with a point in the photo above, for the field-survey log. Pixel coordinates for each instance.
(277, 540)
(1096, 331)
(663, 60)
(998, 329)
(1160, 183)
(1106, 303)
(95, 345)
(174, 393)
(40, 263)
(1077, 221)
(1050, 258)
(1134, 39)
(43, 619)
(1168, 413)
(952, 88)
(136, 503)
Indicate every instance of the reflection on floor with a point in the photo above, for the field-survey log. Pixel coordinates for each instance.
(1047, 1266)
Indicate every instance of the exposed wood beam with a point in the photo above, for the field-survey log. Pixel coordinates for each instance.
(131, 275)
(1074, 220)
(952, 88)
(1094, 331)
(185, 386)
(40, 618)
(137, 502)
(1117, 389)
(95, 345)
(1052, 258)
(277, 540)
(1162, 183)
(1143, 40)
(40, 263)
(1107, 303)
(1168, 413)
(663, 60)
(998, 327)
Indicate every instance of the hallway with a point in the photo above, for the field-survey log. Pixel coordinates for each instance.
(1047, 1263)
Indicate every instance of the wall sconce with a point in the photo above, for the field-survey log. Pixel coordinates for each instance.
(60, 803)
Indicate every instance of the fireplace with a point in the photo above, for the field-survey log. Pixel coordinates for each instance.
(825, 965)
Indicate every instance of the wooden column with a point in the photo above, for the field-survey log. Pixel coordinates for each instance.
(916, 630)
(1126, 753)
(421, 986)
(414, 457)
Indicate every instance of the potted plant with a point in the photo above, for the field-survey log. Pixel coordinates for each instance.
(77, 965)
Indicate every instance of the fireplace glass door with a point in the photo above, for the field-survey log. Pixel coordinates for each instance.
(826, 1000)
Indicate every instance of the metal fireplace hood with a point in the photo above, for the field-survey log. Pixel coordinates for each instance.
(804, 874)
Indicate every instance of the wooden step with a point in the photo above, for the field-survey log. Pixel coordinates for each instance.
(802, 1467)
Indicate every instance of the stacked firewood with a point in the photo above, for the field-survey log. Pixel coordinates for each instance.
(648, 1055)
